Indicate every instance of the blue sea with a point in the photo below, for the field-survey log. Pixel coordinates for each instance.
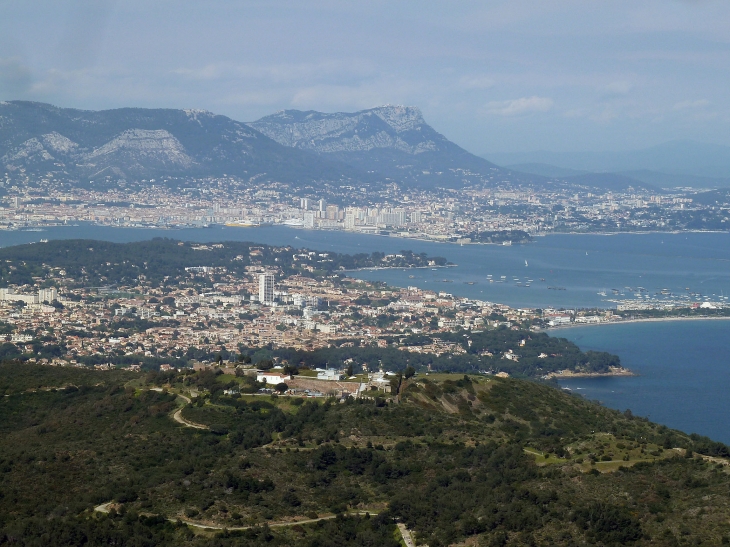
(684, 367)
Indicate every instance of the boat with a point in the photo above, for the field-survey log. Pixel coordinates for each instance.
(242, 224)
(297, 222)
(525, 262)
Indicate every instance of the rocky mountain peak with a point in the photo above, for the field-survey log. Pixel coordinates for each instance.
(383, 127)
(401, 118)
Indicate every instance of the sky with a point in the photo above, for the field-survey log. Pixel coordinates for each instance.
(499, 76)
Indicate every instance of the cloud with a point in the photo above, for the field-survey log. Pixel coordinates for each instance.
(620, 87)
(685, 105)
(352, 69)
(517, 107)
(476, 82)
(15, 78)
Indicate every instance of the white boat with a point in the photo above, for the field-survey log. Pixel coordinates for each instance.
(242, 224)
(294, 222)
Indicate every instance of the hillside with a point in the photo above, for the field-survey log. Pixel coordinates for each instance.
(98, 458)
(395, 141)
(136, 144)
(612, 182)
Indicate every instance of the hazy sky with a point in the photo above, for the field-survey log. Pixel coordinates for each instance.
(510, 75)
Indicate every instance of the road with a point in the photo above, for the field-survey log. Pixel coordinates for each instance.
(406, 535)
(104, 508)
(177, 416)
(270, 524)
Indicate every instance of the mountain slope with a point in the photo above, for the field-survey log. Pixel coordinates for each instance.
(141, 143)
(545, 170)
(393, 140)
(458, 460)
(611, 181)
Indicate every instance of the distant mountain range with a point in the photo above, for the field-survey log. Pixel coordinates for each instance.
(375, 146)
(136, 143)
(606, 181)
(390, 143)
(675, 163)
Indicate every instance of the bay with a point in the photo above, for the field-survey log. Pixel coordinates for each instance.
(582, 265)
(683, 368)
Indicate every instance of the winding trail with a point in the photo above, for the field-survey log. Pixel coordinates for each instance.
(177, 416)
(105, 507)
(269, 524)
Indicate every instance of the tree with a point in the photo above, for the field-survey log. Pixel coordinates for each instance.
(349, 370)
(265, 364)
(281, 388)
(410, 372)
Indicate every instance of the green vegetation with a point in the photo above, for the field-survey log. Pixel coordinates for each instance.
(482, 351)
(455, 458)
(160, 261)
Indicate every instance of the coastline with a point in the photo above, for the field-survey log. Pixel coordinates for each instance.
(564, 374)
(640, 320)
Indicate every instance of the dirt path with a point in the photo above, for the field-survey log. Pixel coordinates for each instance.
(269, 524)
(406, 535)
(177, 416)
(104, 508)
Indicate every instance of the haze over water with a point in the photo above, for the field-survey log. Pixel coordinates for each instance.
(684, 366)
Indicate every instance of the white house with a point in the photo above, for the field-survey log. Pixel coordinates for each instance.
(272, 377)
(329, 374)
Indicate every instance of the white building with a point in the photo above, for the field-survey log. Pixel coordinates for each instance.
(48, 295)
(9, 295)
(266, 288)
(330, 374)
(273, 378)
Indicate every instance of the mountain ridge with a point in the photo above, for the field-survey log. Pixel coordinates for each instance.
(395, 140)
(141, 143)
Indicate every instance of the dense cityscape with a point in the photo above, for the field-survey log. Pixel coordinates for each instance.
(473, 214)
(306, 304)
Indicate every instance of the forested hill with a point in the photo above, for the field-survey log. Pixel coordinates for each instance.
(105, 458)
(90, 262)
